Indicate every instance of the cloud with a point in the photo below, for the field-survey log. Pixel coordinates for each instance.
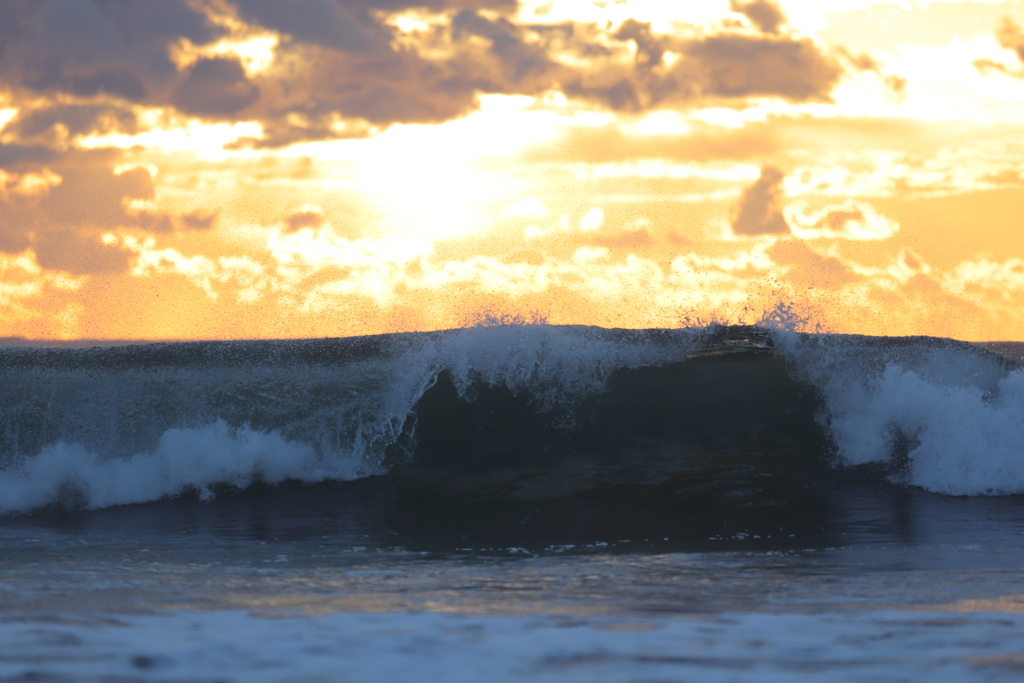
(306, 217)
(93, 47)
(1010, 37)
(850, 220)
(319, 22)
(316, 282)
(151, 221)
(990, 283)
(755, 140)
(764, 14)
(14, 156)
(716, 67)
(743, 66)
(341, 69)
(198, 220)
(244, 273)
(215, 87)
(37, 303)
(47, 121)
(66, 250)
(760, 210)
(61, 211)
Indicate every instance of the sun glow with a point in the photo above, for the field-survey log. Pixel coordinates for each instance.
(207, 140)
(626, 163)
(438, 181)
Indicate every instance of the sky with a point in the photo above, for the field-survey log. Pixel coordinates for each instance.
(215, 169)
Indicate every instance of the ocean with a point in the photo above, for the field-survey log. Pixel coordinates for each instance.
(514, 502)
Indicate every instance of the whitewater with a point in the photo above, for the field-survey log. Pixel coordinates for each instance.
(514, 502)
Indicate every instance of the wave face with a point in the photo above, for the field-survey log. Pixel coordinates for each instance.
(527, 412)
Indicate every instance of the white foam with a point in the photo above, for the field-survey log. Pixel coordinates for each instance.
(958, 414)
(184, 459)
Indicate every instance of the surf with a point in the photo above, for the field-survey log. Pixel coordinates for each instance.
(511, 412)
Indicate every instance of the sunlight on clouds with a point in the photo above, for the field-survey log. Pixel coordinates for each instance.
(659, 122)
(986, 280)
(661, 168)
(28, 184)
(878, 174)
(14, 268)
(592, 220)
(313, 272)
(560, 227)
(850, 220)
(662, 15)
(893, 275)
(527, 207)
(309, 250)
(202, 271)
(205, 140)
(719, 116)
(24, 285)
(255, 53)
(814, 15)
(944, 84)
(6, 115)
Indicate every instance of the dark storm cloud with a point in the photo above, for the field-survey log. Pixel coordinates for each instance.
(40, 122)
(743, 66)
(764, 14)
(339, 60)
(77, 67)
(51, 75)
(319, 22)
(519, 61)
(18, 156)
(92, 47)
(215, 87)
(760, 209)
(729, 66)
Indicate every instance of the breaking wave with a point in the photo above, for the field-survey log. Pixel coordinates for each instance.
(527, 411)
